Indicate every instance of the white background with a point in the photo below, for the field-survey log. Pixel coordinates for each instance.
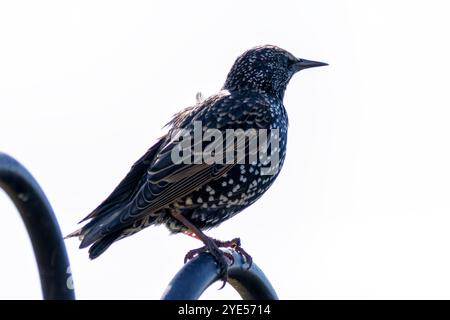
(361, 208)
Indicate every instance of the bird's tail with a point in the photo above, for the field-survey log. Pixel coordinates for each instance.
(98, 242)
(92, 234)
(101, 245)
(76, 233)
(102, 231)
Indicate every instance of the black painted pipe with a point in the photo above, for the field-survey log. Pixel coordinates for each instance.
(202, 271)
(42, 226)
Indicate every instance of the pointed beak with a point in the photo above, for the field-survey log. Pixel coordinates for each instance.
(305, 64)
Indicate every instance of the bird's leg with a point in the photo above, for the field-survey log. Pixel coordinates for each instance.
(191, 234)
(191, 254)
(210, 245)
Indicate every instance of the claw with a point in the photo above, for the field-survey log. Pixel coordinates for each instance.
(213, 245)
(219, 256)
(193, 253)
(223, 283)
(229, 256)
(248, 258)
(235, 244)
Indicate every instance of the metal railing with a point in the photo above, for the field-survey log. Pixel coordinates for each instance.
(201, 272)
(42, 226)
(53, 263)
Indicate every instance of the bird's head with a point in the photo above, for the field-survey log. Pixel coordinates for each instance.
(266, 68)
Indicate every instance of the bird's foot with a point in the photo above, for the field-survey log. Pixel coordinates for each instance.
(212, 246)
(219, 256)
(235, 244)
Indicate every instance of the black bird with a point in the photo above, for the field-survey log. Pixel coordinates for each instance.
(191, 197)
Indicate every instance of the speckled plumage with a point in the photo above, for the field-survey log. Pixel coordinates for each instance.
(156, 190)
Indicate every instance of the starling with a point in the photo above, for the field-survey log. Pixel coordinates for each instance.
(190, 196)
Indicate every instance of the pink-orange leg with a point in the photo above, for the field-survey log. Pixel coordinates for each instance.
(191, 234)
(212, 245)
(221, 244)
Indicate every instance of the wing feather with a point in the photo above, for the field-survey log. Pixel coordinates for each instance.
(128, 186)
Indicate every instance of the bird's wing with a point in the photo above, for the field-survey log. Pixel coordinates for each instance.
(167, 181)
(129, 185)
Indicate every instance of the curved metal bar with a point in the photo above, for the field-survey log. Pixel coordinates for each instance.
(199, 273)
(42, 226)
